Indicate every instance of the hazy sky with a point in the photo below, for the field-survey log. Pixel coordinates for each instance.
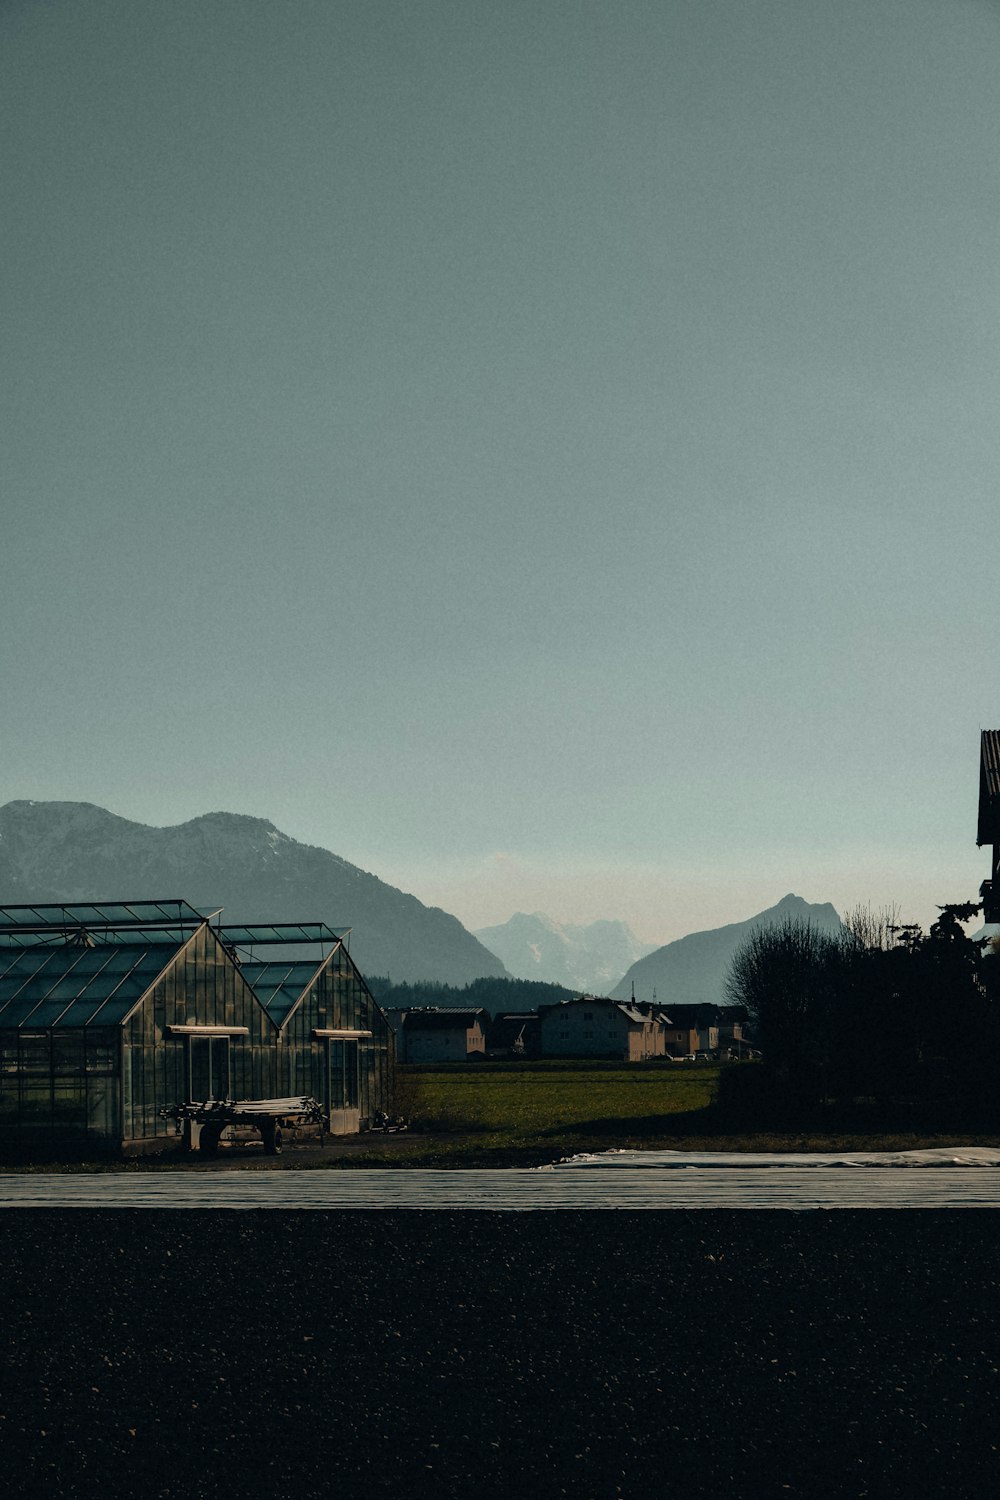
(544, 450)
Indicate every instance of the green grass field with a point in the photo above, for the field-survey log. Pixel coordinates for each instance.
(525, 1113)
(540, 1099)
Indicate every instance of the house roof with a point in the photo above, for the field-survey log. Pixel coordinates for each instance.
(630, 1012)
(989, 787)
(443, 1020)
(72, 985)
(583, 1000)
(695, 1015)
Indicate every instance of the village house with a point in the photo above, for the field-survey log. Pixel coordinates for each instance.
(702, 1021)
(593, 1027)
(514, 1034)
(440, 1034)
(680, 1038)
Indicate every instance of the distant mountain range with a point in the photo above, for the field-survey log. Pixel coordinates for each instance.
(692, 970)
(74, 851)
(586, 959)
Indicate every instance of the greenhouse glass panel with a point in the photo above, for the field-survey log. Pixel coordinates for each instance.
(69, 1102)
(49, 1010)
(8, 1052)
(279, 986)
(90, 961)
(77, 1014)
(118, 959)
(67, 1052)
(35, 1053)
(141, 972)
(100, 1105)
(36, 1102)
(128, 1093)
(17, 1011)
(102, 1051)
(37, 966)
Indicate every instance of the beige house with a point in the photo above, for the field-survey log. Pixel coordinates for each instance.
(437, 1034)
(680, 1037)
(593, 1027)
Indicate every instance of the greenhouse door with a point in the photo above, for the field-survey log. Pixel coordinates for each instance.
(342, 1100)
(208, 1068)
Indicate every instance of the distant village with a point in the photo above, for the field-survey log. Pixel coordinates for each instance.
(630, 1031)
(141, 1026)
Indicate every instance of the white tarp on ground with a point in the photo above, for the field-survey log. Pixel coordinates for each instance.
(943, 1156)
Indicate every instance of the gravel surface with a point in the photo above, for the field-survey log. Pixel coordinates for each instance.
(591, 1355)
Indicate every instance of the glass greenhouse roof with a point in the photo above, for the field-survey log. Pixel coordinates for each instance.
(91, 937)
(279, 986)
(277, 933)
(100, 914)
(75, 985)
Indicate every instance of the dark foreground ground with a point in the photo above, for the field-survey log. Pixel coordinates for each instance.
(188, 1354)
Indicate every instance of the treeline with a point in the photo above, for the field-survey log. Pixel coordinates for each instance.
(494, 995)
(882, 1022)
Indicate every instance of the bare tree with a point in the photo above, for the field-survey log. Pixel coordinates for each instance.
(867, 929)
(787, 977)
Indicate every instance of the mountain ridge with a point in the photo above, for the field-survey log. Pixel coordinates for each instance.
(692, 969)
(78, 851)
(582, 957)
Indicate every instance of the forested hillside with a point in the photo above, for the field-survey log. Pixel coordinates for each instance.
(494, 995)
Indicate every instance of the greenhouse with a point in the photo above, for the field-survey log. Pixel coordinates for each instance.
(112, 1013)
(334, 1043)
